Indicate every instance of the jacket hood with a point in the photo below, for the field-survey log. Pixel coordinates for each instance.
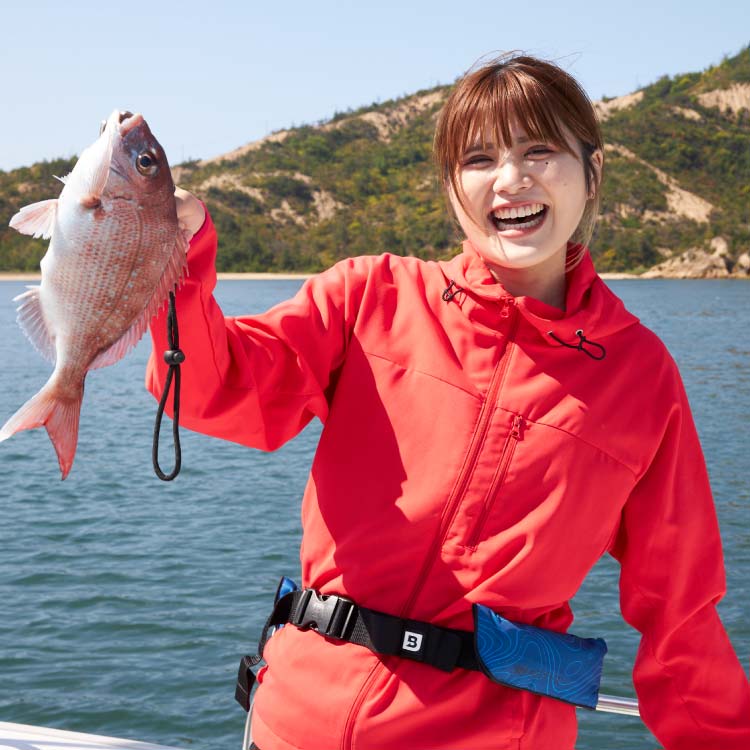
(590, 306)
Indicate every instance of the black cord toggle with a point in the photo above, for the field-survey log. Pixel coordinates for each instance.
(598, 353)
(449, 292)
(174, 357)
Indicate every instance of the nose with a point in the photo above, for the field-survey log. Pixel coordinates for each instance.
(510, 176)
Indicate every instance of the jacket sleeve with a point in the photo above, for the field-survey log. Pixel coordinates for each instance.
(693, 692)
(255, 380)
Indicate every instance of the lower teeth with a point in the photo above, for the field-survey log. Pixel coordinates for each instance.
(524, 224)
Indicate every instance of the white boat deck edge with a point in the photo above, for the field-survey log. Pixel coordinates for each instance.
(27, 737)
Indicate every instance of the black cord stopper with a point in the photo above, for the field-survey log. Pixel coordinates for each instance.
(174, 357)
(451, 291)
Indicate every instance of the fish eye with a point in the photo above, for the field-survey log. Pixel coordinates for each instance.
(146, 163)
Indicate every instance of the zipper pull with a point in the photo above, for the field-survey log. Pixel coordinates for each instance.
(507, 308)
(516, 431)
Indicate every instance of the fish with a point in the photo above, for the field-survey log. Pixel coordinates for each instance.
(116, 250)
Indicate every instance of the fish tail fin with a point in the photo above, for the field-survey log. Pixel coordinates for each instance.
(57, 414)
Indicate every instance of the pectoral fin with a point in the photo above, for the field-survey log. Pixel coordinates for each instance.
(36, 219)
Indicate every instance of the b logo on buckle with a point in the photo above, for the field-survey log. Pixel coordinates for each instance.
(412, 641)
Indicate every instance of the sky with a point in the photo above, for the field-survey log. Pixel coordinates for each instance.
(210, 76)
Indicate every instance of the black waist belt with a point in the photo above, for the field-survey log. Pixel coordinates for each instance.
(340, 618)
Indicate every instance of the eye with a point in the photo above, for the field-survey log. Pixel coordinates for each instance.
(476, 159)
(539, 151)
(146, 163)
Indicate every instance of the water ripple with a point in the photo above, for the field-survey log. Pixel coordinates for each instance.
(125, 603)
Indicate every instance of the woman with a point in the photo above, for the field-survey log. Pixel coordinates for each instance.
(493, 424)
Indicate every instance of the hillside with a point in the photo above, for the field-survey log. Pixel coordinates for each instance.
(675, 195)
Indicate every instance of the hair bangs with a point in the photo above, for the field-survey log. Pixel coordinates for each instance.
(498, 103)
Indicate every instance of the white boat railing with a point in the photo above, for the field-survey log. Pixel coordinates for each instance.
(614, 704)
(26, 737)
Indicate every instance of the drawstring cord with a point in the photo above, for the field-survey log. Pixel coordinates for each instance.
(598, 352)
(174, 356)
(602, 352)
(449, 292)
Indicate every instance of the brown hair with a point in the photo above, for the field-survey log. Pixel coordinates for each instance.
(542, 97)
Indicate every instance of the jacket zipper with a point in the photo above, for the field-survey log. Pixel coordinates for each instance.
(452, 506)
(498, 480)
(478, 438)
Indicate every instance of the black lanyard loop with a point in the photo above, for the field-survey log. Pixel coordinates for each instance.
(174, 356)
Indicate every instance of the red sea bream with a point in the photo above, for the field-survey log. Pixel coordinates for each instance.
(116, 251)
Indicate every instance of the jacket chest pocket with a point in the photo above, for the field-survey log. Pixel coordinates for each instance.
(553, 501)
(495, 488)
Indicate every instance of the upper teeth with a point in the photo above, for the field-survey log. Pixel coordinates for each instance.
(515, 213)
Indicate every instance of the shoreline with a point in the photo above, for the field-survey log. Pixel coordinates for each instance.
(257, 276)
(253, 276)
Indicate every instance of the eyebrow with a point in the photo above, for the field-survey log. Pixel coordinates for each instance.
(490, 145)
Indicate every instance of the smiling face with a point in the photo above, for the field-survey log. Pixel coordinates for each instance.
(519, 152)
(521, 203)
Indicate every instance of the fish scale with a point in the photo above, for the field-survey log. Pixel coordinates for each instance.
(116, 250)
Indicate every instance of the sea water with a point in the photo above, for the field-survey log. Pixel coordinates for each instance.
(126, 603)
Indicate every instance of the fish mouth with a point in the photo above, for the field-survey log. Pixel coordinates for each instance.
(128, 121)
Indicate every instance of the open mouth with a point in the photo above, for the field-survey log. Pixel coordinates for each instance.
(128, 121)
(525, 217)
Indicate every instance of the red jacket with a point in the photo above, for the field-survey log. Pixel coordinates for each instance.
(468, 456)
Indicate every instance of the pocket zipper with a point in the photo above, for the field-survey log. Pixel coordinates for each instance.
(515, 435)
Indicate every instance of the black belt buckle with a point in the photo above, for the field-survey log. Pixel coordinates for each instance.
(329, 615)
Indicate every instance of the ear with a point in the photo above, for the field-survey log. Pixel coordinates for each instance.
(597, 163)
